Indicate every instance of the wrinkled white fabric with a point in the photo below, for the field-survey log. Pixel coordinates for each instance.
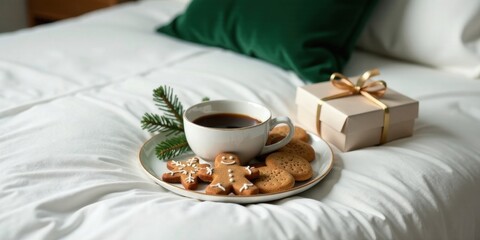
(72, 95)
(443, 34)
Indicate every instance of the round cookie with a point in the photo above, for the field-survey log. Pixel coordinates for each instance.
(273, 180)
(298, 134)
(301, 148)
(274, 138)
(294, 164)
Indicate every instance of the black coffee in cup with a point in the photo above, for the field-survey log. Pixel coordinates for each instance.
(226, 120)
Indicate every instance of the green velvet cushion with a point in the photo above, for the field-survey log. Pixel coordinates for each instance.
(311, 37)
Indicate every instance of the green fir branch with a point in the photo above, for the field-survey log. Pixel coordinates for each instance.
(172, 147)
(155, 123)
(170, 123)
(166, 101)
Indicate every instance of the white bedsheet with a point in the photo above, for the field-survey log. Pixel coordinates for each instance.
(72, 95)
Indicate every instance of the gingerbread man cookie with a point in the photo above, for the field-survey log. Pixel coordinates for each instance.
(228, 176)
(185, 172)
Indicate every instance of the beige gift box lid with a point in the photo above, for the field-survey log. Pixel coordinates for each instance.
(354, 122)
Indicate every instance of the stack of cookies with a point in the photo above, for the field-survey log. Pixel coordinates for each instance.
(287, 165)
(279, 172)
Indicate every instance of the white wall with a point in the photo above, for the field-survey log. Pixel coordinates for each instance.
(13, 15)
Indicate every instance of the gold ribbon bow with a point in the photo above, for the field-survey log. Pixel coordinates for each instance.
(369, 89)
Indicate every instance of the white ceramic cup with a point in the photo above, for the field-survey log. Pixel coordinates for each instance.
(245, 142)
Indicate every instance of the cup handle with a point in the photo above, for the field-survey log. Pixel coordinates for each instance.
(284, 141)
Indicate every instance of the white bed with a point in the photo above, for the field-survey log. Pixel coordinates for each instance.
(72, 95)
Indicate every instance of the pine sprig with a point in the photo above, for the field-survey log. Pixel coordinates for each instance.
(172, 120)
(155, 123)
(172, 147)
(170, 123)
(166, 101)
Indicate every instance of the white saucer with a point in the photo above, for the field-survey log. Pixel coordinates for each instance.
(154, 168)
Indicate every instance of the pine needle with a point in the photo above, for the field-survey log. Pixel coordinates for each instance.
(166, 101)
(154, 123)
(172, 147)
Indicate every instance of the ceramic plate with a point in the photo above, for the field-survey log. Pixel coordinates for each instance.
(154, 168)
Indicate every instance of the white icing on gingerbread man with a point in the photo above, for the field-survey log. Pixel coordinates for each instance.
(245, 186)
(184, 171)
(228, 176)
(218, 185)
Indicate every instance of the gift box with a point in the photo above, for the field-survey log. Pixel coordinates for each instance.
(355, 115)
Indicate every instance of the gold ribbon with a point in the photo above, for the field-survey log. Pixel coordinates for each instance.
(369, 89)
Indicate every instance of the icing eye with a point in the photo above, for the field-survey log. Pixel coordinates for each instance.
(231, 157)
(224, 158)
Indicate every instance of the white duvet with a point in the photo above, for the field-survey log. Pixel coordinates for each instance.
(72, 95)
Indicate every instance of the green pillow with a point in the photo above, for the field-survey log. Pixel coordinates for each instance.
(314, 38)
